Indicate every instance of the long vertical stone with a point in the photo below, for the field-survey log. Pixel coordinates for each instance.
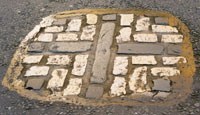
(102, 55)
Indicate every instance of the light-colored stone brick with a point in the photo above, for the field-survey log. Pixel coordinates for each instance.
(165, 71)
(138, 79)
(147, 60)
(172, 38)
(173, 60)
(126, 19)
(74, 87)
(45, 37)
(164, 28)
(37, 71)
(58, 60)
(143, 24)
(124, 36)
(47, 21)
(67, 37)
(58, 79)
(91, 18)
(145, 37)
(120, 66)
(32, 59)
(79, 65)
(54, 29)
(118, 87)
(74, 25)
(88, 32)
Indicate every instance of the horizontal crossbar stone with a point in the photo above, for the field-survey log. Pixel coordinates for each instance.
(143, 48)
(70, 46)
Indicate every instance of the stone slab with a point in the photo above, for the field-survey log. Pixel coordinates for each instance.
(58, 60)
(161, 20)
(45, 37)
(72, 47)
(67, 37)
(30, 59)
(161, 85)
(109, 17)
(164, 29)
(35, 83)
(145, 37)
(74, 25)
(165, 71)
(36, 47)
(124, 36)
(174, 49)
(60, 22)
(102, 57)
(37, 71)
(146, 60)
(143, 48)
(94, 92)
(80, 65)
(54, 29)
(173, 60)
(91, 18)
(172, 38)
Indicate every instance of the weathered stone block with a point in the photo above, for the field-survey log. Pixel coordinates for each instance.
(80, 65)
(118, 87)
(124, 36)
(59, 60)
(94, 92)
(120, 66)
(37, 71)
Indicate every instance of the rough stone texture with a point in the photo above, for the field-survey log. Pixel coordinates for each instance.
(36, 47)
(162, 95)
(126, 19)
(124, 36)
(54, 29)
(60, 22)
(147, 59)
(145, 48)
(88, 32)
(165, 71)
(145, 37)
(74, 25)
(35, 83)
(37, 71)
(58, 60)
(172, 38)
(161, 85)
(67, 37)
(164, 29)
(109, 17)
(138, 79)
(120, 66)
(74, 87)
(80, 65)
(91, 18)
(45, 37)
(32, 59)
(118, 87)
(174, 49)
(173, 60)
(57, 80)
(102, 56)
(94, 92)
(143, 24)
(70, 47)
(47, 21)
(161, 20)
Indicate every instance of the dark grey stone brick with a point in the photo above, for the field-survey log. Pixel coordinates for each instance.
(161, 20)
(109, 17)
(36, 47)
(94, 92)
(140, 48)
(61, 47)
(161, 85)
(35, 83)
(174, 49)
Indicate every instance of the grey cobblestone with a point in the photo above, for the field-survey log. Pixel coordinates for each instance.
(36, 47)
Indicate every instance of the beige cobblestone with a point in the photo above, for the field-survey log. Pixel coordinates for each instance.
(88, 32)
(118, 87)
(91, 18)
(58, 60)
(54, 29)
(145, 37)
(37, 71)
(80, 65)
(172, 38)
(74, 87)
(126, 19)
(173, 60)
(120, 66)
(45, 37)
(58, 79)
(74, 25)
(67, 37)
(164, 28)
(165, 71)
(148, 60)
(124, 36)
(29, 59)
(143, 24)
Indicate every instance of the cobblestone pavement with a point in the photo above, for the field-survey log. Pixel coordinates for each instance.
(49, 51)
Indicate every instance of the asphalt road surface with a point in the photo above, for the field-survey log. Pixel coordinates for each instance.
(18, 17)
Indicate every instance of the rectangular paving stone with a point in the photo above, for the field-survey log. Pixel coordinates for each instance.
(36, 47)
(74, 87)
(91, 18)
(58, 79)
(74, 25)
(174, 49)
(59, 60)
(102, 56)
(173, 60)
(79, 65)
(60, 22)
(145, 37)
(65, 47)
(165, 71)
(94, 92)
(140, 48)
(126, 19)
(32, 59)
(67, 37)
(118, 87)
(161, 20)
(161, 85)
(164, 29)
(124, 36)
(45, 37)
(37, 71)
(147, 60)
(54, 29)
(34, 83)
(172, 38)
(109, 17)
